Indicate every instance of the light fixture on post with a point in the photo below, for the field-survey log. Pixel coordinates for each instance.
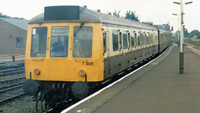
(181, 55)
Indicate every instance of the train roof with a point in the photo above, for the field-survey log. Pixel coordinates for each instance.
(82, 14)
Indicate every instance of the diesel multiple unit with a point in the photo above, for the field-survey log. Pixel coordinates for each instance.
(72, 49)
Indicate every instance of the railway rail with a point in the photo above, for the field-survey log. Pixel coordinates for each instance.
(11, 93)
(11, 70)
(7, 83)
(196, 43)
(11, 81)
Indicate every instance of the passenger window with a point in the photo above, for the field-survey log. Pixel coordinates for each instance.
(82, 42)
(150, 38)
(38, 42)
(138, 39)
(132, 39)
(164, 37)
(104, 42)
(125, 45)
(147, 38)
(155, 38)
(59, 41)
(143, 39)
(115, 40)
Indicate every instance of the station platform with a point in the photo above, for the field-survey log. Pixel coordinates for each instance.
(4, 58)
(156, 88)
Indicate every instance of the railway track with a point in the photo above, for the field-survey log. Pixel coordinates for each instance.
(196, 43)
(11, 69)
(11, 81)
(11, 93)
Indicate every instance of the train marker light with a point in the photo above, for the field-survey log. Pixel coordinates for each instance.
(82, 73)
(37, 71)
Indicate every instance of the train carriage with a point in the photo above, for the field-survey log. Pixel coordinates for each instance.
(70, 49)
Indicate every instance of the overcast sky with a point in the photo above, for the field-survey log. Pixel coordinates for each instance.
(156, 11)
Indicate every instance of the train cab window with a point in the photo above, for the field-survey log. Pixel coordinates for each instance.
(132, 39)
(59, 41)
(38, 42)
(115, 40)
(104, 42)
(125, 44)
(82, 42)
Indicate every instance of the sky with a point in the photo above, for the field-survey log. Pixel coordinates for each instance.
(156, 11)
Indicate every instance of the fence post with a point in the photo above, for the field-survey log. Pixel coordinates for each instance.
(13, 57)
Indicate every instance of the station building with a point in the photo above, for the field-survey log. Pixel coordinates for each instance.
(13, 33)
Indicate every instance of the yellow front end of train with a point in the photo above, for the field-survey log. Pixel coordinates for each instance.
(64, 51)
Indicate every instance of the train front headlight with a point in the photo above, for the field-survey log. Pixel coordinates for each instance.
(37, 71)
(82, 73)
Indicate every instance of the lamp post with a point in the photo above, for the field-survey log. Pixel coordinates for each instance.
(178, 28)
(181, 55)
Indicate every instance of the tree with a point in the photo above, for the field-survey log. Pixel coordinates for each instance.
(6, 16)
(198, 37)
(186, 33)
(194, 33)
(131, 15)
(117, 14)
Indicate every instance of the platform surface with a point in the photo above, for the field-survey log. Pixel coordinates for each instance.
(156, 88)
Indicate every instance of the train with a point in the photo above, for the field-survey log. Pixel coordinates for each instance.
(71, 49)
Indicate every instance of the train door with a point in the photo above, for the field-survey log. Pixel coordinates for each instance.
(121, 62)
(125, 46)
(158, 39)
(106, 54)
(114, 51)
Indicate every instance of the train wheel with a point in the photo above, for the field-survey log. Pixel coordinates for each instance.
(45, 103)
(38, 98)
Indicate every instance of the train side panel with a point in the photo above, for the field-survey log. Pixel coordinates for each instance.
(127, 47)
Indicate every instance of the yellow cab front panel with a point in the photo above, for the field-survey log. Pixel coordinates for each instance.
(59, 51)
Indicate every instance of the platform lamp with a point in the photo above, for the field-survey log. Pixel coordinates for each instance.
(181, 55)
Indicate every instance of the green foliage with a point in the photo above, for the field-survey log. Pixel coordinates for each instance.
(131, 15)
(194, 33)
(198, 37)
(6, 16)
(116, 13)
(186, 33)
